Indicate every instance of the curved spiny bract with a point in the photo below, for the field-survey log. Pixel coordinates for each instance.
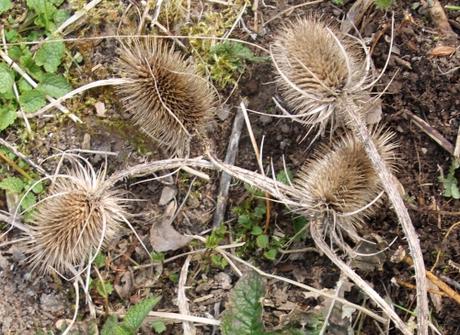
(317, 68)
(341, 180)
(79, 216)
(167, 98)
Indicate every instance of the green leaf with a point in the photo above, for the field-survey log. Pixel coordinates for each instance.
(218, 261)
(137, 313)
(111, 327)
(99, 261)
(50, 55)
(60, 16)
(450, 183)
(29, 200)
(15, 52)
(383, 4)
(285, 176)
(5, 5)
(6, 78)
(262, 241)
(24, 86)
(12, 36)
(38, 188)
(157, 256)
(12, 184)
(243, 315)
(7, 117)
(158, 326)
(271, 254)
(104, 288)
(32, 100)
(54, 85)
(256, 230)
(28, 62)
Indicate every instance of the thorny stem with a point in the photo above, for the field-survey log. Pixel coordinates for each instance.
(362, 133)
(316, 234)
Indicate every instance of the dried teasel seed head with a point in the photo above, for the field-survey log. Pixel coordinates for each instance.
(166, 97)
(317, 68)
(342, 180)
(79, 216)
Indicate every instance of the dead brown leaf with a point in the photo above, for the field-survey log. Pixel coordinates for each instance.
(442, 51)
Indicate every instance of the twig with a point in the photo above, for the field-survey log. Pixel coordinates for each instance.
(430, 131)
(412, 286)
(144, 15)
(290, 9)
(308, 288)
(438, 282)
(361, 131)
(439, 18)
(18, 169)
(77, 15)
(181, 317)
(184, 309)
(259, 161)
(32, 83)
(81, 89)
(457, 145)
(19, 154)
(232, 150)
(316, 234)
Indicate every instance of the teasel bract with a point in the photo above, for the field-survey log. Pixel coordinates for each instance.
(166, 97)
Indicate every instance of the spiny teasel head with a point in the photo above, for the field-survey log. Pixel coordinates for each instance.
(317, 68)
(341, 179)
(79, 216)
(166, 97)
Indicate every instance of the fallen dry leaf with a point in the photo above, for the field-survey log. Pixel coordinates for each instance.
(441, 51)
(163, 236)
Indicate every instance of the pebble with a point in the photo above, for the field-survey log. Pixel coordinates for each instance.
(167, 194)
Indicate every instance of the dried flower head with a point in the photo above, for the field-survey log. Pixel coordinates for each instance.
(167, 98)
(79, 216)
(318, 68)
(342, 180)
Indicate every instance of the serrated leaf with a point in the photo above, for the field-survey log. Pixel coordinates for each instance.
(243, 315)
(7, 117)
(158, 326)
(54, 85)
(38, 188)
(104, 288)
(6, 78)
(32, 100)
(50, 55)
(12, 184)
(137, 313)
(5, 5)
(111, 327)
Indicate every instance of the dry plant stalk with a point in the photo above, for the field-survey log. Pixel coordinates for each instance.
(320, 72)
(166, 96)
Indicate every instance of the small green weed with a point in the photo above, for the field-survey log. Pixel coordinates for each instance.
(243, 313)
(42, 64)
(132, 321)
(18, 186)
(380, 4)
(449, 182)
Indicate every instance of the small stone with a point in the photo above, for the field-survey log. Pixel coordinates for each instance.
(265, 119)
(424, 151)
(51, 304)
(285, 128)
(167, 194)
(223, 280)
(100, 109)
(86, 143)
(223, 113)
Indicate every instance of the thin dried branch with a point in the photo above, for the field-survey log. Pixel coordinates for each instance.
(182, 300)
